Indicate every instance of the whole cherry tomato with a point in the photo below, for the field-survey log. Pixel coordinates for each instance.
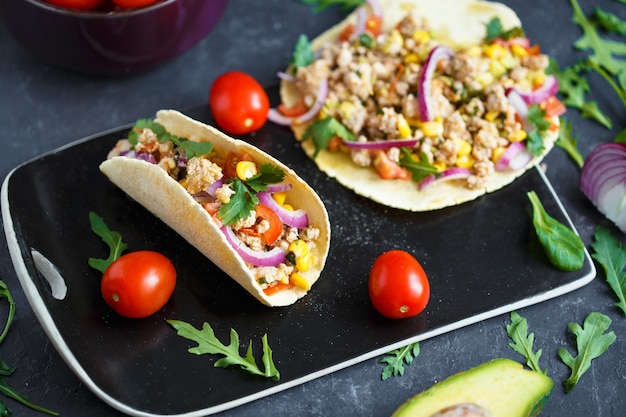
(77, 4)
(131, 4)
(238, 102)
(139, 283)
(398, 286)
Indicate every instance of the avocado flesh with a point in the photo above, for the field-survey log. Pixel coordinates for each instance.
(502, 387)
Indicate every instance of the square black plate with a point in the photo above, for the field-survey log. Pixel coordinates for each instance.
(480, 257)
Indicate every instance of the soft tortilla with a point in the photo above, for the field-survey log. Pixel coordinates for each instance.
(154, 189)
(457, 23)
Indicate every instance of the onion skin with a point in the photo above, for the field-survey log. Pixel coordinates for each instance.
(603, 181)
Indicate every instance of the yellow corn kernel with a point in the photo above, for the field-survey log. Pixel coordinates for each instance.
(474, 51)
(495, 51)
(497, 153)
(287, 207)
(183, 182)
(346, 108)
(299, 281)
(441, 166)
(492, 115)
(403, 127)
(413, 121)
(411, 58)
(509, 61)
(538, 79)
(432, 129)
(394, 38)
(280, 197)
(519, 50)
(497, 68)
(465, 148)
(303, 256)
(421, 36)
(485, 78)
(517, 136)
(465, 161)
(246, 169)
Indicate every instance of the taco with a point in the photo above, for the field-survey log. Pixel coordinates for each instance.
(244, 210)
(421, 104)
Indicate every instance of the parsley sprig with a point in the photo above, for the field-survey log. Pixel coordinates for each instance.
(495, 30)
(322, 131)
(245, 199)
(209, 343)
(396, 359)
(191, 148)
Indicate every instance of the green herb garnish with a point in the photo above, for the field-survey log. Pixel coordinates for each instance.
(303, 52)
(321, 5)
(523, 342)
(244, 199)
(6, 294)
(111, 238)
(609, 252)
(419, 168)
(591, 342)
(208, 343)
(569, 143)
(322, 131)
(609, 21)
(562, 245)
(192, 149)
(537, 117)
(396, 359)
(495, 30)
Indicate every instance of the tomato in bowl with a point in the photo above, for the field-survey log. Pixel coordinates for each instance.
(106, 41)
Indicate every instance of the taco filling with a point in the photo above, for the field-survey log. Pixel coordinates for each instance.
(248, 201)
(409, 107)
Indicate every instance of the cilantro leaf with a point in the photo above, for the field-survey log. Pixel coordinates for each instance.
(209, 343)
(419, 168)
(591, 342)
(303, 52)
(241, 203)
(193, 149)
(523, 342)
(537, 117)
(609, 252)
(573, 87)
(396, 360)
(495, 30)
(5, 293)
(159, 130)
(569, 143)
(322, 131)
(321, 5)
(268, 174)
(609, 22)
(111, 238)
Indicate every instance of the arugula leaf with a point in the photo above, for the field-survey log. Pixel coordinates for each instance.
(9, 392)
(610, 253)
(208, 343)
(569, 143)
(111, 238)
(419, 168)
(495, 30)
(303, 53)
(523, 342)
(396, 360)
(563, 247)
(603, 51)
(322, 131)
(574, 86)
(321, 5)
(621, 136)
(609, 22)
(5, 293)
(591, 342)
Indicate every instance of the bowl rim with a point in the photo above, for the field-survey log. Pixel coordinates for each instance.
(96, 14)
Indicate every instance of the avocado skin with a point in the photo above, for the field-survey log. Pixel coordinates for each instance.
(502, 387)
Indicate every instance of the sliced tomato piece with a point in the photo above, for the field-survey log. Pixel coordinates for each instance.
(346, 33)
(232, 159)
(277, 287)
(388, 169)
(374, 24)
(295, 110)
(275, 224)
(553, 107)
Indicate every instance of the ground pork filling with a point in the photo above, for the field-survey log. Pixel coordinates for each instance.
(372, 91)
(197, 175)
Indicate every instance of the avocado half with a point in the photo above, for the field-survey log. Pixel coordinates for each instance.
(498, 388)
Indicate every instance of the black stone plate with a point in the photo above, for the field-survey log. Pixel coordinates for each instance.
(481, 259)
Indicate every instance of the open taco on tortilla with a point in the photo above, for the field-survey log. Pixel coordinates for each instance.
(243, 209)
(421, 104)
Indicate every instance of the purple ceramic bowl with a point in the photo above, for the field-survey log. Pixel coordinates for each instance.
(110, 43)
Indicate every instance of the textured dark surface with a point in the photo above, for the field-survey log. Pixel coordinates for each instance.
(44, 108)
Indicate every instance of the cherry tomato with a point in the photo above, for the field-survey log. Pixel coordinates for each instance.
(77, 4)
(398, 285)
(138, 284)
(131, 4)
(238, 102)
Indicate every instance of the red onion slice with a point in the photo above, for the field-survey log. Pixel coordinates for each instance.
(447, 175)
(511, 152)
(275, 116)
(273, 257)
(520, 161)
(603, 181)
(278, 187)
(423, 96)
(297, 218)
(361, 19)
(549, 88)
(381, 144)
(211, 189)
